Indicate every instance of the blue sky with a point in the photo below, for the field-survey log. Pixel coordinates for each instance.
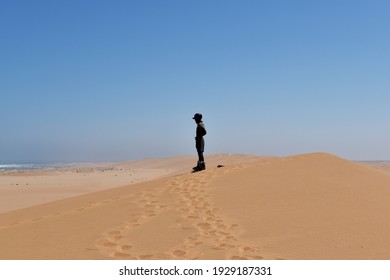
(120, 80)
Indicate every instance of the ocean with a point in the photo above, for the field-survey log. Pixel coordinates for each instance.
(34, 166)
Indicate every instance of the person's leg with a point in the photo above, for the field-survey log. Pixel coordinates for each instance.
(200, 148)
(200, 156)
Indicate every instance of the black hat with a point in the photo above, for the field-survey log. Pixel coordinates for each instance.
(197, 116)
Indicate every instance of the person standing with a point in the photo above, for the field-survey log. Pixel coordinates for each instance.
(199, 142)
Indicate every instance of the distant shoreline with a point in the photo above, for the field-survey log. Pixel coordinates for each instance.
(52, 166)
(36, 166)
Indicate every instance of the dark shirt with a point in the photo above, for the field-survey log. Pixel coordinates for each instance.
(200, 131)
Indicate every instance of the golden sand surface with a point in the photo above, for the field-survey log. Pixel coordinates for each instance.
(25, 188)
(312, 206)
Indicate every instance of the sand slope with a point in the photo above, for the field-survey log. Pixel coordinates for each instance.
(183, 164)
(315, 206)
(309, 207)
(20, 189)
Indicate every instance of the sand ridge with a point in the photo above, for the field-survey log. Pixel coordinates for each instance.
(315, 206)
(25, 188)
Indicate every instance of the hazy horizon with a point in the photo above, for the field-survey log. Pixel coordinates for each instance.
(57, 164)
(121, 80)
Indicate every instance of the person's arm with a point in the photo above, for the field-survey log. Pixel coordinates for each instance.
(201, 131)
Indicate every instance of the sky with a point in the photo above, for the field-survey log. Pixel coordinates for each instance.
(119, 80)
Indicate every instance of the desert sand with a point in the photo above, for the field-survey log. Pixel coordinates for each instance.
(312, 206)
(24, 188)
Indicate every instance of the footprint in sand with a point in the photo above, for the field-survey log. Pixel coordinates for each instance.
(115, 235)
(132, 225)
(115, 232)
(110, 244)
(126, 247)
(204, 225)
(247, 250)
(146, 257)
(192, 217)
(178, 253)
(121, 255)
(225, 245)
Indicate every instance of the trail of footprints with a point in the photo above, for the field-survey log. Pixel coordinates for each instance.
(212, 238)
(193, 204)
(115, 244)
(212, 232)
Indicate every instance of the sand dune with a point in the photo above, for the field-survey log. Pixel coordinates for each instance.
(182, 164)
(20, 189)
(315, 206)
